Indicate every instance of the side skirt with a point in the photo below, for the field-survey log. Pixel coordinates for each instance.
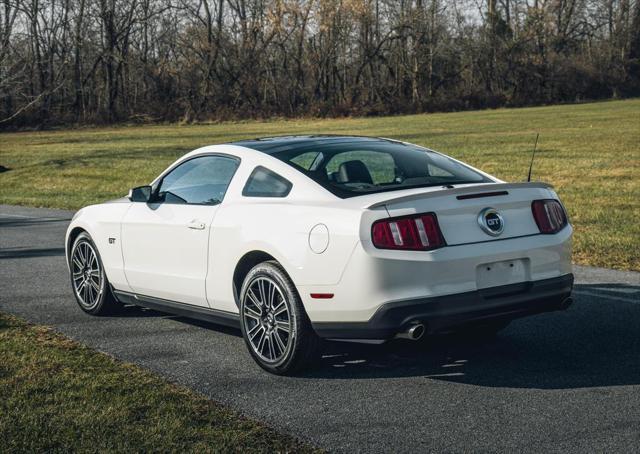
(185, 310)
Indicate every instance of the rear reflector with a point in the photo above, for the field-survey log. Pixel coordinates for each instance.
(549, 215)
(419, 232)
(322, 296)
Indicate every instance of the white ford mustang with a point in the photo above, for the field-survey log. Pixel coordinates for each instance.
(295, 239)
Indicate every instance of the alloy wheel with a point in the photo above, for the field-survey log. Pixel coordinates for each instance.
(86, 274)
(267, 320)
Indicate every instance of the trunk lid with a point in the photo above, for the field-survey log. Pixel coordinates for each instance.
(467, 214)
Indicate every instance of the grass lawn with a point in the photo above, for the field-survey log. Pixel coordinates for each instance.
(589, 152)
(56, 395)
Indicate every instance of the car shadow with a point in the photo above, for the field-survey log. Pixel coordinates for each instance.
(594, 343)
(133, 311)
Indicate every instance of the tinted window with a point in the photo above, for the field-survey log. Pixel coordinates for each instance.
(306, 160)
(264, 183)
(379, 165)
(201, 181)
(363, 167)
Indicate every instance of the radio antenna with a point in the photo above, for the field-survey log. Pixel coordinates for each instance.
(533, 155)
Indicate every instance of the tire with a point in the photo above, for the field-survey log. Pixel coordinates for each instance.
(274, 324)
(88, 280)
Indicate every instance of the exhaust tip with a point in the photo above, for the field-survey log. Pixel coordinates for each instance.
(413, 332)
(566, 303)
(416, 331)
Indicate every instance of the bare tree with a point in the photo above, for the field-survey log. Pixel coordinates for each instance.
(67, 61)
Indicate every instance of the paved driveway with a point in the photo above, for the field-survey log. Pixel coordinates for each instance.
(555, 382)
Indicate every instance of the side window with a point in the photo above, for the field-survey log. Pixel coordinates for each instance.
(307, 160)
(436, 171)
(201, 181)
(264, 183)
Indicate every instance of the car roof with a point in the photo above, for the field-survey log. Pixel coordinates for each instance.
(271, 145)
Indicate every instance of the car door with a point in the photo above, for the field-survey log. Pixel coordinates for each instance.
(165, 241)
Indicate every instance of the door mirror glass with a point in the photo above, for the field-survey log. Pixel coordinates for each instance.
(140, 194)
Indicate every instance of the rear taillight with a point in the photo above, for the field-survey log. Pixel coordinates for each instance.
(549, 215)
(419, 232)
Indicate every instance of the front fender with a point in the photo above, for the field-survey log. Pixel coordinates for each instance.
(103, 223)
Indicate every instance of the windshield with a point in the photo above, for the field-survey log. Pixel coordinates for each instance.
(357, 168)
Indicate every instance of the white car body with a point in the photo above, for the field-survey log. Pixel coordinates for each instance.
(188, 255)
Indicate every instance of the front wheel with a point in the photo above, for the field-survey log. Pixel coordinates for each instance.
(274, 325)
(88, 279)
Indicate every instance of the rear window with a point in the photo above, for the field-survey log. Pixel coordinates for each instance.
(365, 167)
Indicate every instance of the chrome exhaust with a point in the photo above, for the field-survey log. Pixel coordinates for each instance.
(413, 332)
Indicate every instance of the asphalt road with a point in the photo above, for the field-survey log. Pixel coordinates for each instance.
(565, 382)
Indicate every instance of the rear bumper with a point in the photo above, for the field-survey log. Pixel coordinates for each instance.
(442, 313)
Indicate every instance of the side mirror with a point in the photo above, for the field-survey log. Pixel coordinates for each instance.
(140, 194)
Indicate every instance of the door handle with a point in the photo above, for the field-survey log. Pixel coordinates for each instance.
(196, 225)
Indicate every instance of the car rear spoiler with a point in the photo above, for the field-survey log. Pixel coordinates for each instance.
(468, 190)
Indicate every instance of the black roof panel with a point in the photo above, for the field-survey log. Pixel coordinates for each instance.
(272, 145)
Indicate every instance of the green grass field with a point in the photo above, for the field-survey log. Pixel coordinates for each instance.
(589, 152)
(58, 396)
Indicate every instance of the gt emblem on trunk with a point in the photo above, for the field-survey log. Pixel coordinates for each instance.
(491, 222)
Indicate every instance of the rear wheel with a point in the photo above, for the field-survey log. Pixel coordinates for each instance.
(88, 279)
(274, 325)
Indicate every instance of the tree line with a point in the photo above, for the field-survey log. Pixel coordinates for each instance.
(101, 61)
